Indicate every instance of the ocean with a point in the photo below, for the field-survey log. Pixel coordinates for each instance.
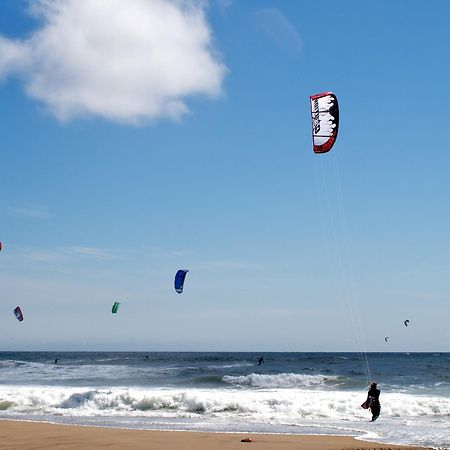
(298, 393)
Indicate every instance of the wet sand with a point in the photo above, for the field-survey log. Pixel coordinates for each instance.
(32, 435)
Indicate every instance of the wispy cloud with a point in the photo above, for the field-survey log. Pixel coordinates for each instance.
(76, 253)
(90, 252)
(41, 255)
(224, 6)
(29, 211)
(228, 265)
(67, 254)
(158, 252)
(279, 29)
(123, 60)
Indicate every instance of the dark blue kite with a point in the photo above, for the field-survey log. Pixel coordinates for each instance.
(179, 280)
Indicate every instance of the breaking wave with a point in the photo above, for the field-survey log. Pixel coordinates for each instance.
(293, 410)
(283, 380)
(285, 405)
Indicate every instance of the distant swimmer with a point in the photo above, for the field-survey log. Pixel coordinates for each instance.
(56, 360)
(146, 356)
(373, 401)
(260, 360)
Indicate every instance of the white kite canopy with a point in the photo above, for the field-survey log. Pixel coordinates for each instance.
(325, 121)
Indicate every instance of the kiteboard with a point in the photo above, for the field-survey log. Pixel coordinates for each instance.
(368, 403)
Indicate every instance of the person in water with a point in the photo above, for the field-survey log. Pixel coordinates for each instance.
(260, 360)
(373, 401)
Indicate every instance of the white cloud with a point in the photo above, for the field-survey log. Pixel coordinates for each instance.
(90, 252)
(68, 254)
(30, 211)
(122, 60)
(224, 6)
(13, 56)
(159, 253)
(228, 265)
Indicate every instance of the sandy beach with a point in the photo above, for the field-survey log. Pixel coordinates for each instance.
(32, 435)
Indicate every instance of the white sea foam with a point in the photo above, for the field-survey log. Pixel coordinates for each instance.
(405, 418)
(28, 372)
(282, 380)
(284, 404)
(229, 366)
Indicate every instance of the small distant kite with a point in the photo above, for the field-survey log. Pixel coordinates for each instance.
(18, 313)
(179, 280)
(406, 322)
(115, 307)
(325, 121)
(1, 246)
(386, 338)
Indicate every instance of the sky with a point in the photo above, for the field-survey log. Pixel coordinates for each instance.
(139, 137)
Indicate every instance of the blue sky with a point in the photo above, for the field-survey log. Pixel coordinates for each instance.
(117, 171)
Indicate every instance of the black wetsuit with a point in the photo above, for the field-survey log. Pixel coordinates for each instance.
(373, 400)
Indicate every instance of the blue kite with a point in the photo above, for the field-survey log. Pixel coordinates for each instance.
(179, 280)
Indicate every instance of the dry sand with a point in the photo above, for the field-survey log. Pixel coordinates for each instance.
(43, 436)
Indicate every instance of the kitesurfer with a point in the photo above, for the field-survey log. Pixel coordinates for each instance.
(260, 360)
(373, 401)
(56, 360)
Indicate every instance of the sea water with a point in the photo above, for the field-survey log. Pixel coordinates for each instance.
(301, 393)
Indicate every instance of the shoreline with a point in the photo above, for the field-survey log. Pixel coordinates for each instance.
(15, 434)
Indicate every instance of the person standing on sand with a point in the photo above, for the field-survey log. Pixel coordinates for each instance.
(373, 401)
